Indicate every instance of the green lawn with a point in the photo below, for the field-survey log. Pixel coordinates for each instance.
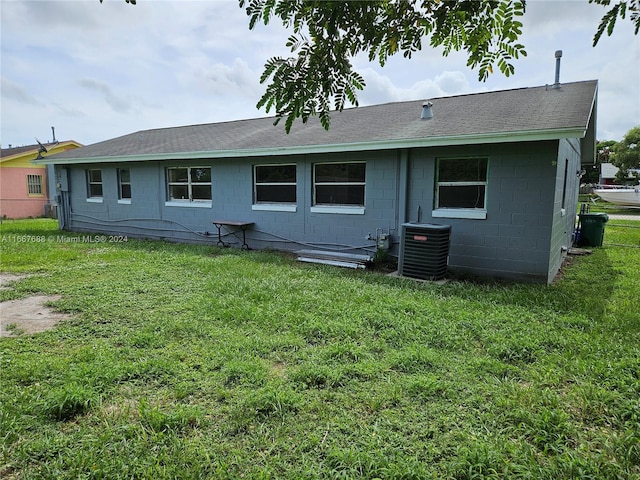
(187, 361)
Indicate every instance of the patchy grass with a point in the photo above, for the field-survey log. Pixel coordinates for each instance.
(187, 361)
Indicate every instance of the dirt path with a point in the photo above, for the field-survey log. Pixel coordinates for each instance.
(27, 315)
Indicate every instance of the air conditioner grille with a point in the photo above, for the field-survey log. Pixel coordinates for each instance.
(424, 250)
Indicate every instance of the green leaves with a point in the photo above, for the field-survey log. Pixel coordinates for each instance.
(319, 75)
(626, 155)
(608, 21)
(327, 34)
(487, 31)
(319, 78)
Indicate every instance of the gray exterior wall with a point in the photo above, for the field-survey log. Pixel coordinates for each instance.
(147, 215)
(513, 242)
(522, 237)
(565, 203)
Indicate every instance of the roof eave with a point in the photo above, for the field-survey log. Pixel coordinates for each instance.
(473, 139)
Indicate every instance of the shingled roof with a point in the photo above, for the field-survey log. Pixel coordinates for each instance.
(537, 113)
(5, 153)
(9, 154)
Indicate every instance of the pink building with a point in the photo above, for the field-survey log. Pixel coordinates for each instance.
(23, 185)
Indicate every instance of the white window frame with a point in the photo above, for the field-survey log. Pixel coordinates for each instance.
(121, 198)
(90, 197)
(345, 209)
(34, 185)
(187, 202)
(458, 212)
(274, 206)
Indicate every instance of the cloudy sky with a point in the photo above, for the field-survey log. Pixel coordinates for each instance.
(97, 71)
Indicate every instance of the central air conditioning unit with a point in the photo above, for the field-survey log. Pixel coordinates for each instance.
(424, 250)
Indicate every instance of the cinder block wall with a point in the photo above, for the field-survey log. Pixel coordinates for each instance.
(521, 237)
(513, 241)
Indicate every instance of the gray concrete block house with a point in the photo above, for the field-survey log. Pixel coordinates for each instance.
(501, 168)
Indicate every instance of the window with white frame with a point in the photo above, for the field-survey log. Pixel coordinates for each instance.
(94, 183)
(189, 184)
(274, 184)
(461, 183)
(339, 184)
(124, 184)
(34, 184)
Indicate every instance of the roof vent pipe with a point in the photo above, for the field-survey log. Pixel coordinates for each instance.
(53, 132)
(427, 111)
(558, 57)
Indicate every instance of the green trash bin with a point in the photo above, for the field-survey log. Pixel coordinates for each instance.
(592, 229)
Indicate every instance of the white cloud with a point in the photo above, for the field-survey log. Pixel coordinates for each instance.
(118, 103)
(381, 89)
(548, 17)
(15, 92)
(220, 79)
